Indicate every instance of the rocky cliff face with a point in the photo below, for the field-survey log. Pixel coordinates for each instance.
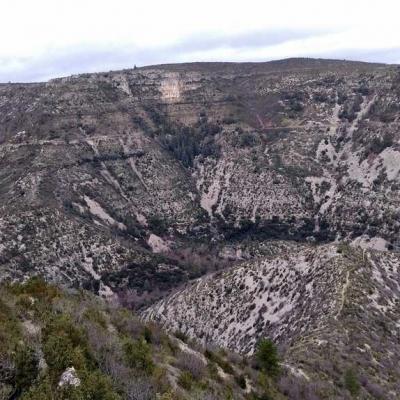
(293, 148)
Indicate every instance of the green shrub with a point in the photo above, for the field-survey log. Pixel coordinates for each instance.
(97, 386)
(147, 334)
(65, 345)
(267, 357)
(241, 381)
(247, 139)
(157, 225)
(58, 352)
(181, 336)
(344, 248)
(62, 326)
(351, 382)
(93, 386)
(41, 391)
(224, 364)
(38, 289)
(138, 355)
(213, 371)
(9, 328)
(171, 346)
(96, 316)
(26, 368)
(186, 380)
(263, 396)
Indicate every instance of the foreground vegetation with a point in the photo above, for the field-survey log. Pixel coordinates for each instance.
(69, 344)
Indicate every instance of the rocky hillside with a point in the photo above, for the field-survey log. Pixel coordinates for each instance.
(68, 344)
(101, 171)
(331, 309)
(276, 185)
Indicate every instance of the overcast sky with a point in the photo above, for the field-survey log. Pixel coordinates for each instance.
(41, 39)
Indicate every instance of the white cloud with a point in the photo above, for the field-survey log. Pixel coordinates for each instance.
(45, 38)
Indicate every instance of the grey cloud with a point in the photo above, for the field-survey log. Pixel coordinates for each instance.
(61, 62)
(245, 40)
(67, 61)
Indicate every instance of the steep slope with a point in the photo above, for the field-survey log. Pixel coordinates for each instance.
(130, 183)
(285, 150)
(68, 344)
(312, 301)
(281, 295)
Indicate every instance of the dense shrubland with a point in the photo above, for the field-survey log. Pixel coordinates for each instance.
(68, 344)
(184, 142)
